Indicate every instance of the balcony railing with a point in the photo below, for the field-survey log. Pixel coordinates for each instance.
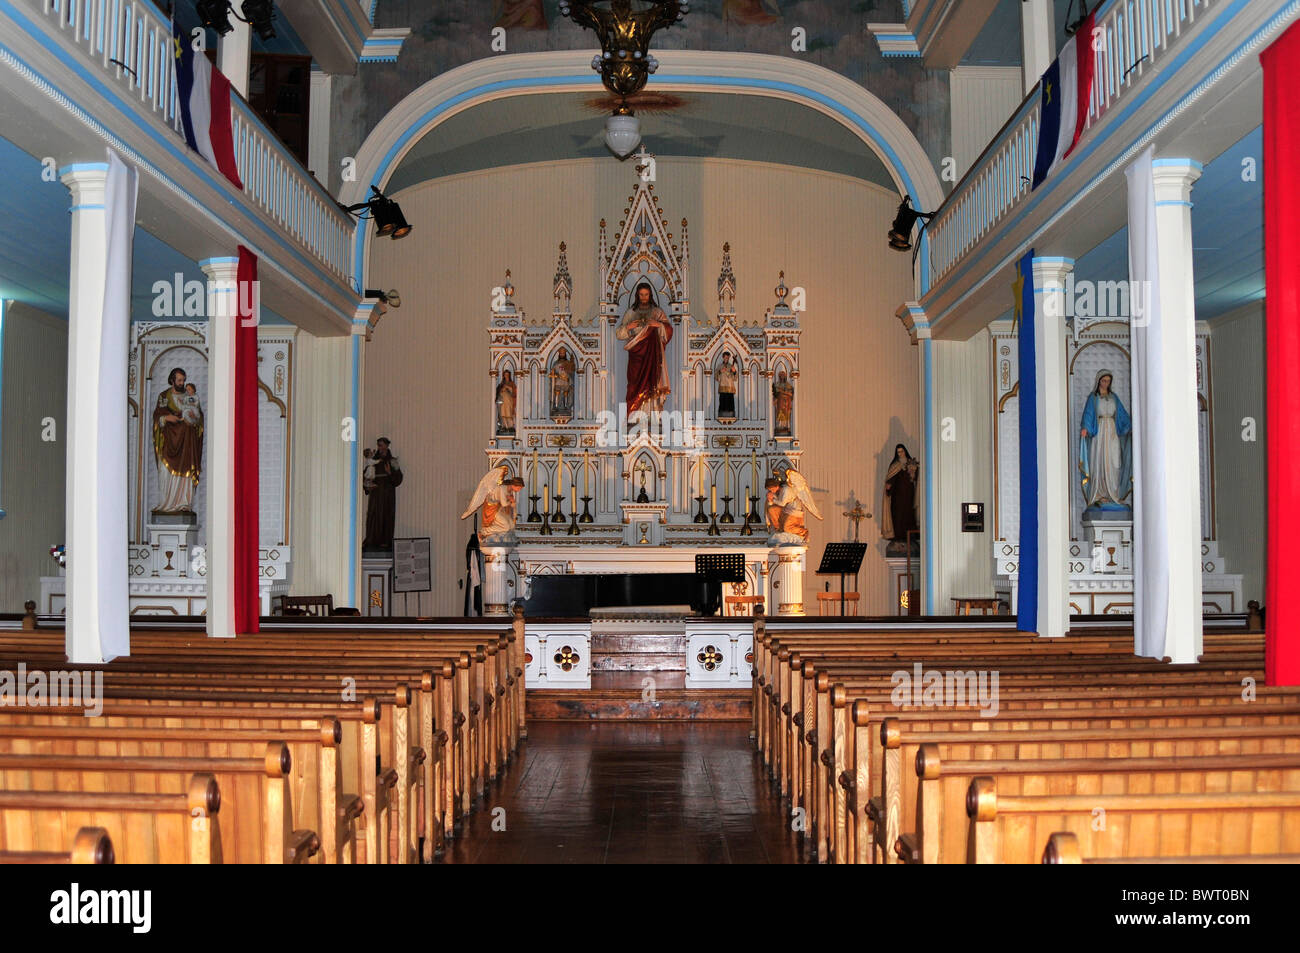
(131, 41)
(1135, 36)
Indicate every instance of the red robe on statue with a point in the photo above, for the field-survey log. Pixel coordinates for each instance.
(647, 379)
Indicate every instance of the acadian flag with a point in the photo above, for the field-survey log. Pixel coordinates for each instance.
(1063, 111)
(203, 97)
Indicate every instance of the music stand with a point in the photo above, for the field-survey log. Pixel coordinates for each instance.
(724, 567)
(842, 558)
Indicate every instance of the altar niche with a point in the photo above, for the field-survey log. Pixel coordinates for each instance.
(651, 424)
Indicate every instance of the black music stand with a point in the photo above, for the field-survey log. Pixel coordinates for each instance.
(724, 567)
(842, 558)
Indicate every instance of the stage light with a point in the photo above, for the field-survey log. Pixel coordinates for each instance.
(387, 214)
(215, 15)
(900, 233)
(259, 14)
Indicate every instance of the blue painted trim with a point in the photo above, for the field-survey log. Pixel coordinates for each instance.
(420, 126)
(1174, 202)
(87, 207)
(356, 465)
(83, 167)
(222, 260)
(175, 146)
(1162, 76)
(928, 543)
(1187, 163)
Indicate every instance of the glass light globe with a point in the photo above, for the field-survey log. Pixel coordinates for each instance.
(622, 135)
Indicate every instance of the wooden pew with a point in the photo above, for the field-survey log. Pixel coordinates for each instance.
(1009, 829)
(1063, 848)
(179, 828)
(92, 845)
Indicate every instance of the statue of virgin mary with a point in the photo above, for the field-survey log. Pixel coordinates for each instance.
(1105, 448)
(647, 331)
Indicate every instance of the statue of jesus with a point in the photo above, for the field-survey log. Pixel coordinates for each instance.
(647, 331)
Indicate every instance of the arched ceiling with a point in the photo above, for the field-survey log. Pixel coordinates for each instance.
(556, 126)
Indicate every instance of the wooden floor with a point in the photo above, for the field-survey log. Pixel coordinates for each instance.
(609, 793)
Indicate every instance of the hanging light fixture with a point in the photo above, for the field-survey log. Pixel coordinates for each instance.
(387, 214)
(625, 28)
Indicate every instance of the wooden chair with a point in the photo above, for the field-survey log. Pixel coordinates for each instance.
(741, 605)
(305, 605)
(828, 603)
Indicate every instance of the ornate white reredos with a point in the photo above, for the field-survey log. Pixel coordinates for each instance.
(569, 379)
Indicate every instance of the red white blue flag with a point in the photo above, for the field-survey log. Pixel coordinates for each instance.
(1065, 91)
(203, 98)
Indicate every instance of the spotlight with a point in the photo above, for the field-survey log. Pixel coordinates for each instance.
(215, 15)
(900, 233)
(390, 298)
(259, 14)
(387, 214)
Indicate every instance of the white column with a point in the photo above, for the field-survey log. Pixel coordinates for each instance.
(235, 55)
(1053, 446)
(787, 579)
(1173, 180)
(318, 126)
(917, 324)
(1037, 39)
(497, 589)
(219, 454)
(85, 576)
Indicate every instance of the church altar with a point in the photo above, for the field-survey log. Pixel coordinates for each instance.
(640, 438)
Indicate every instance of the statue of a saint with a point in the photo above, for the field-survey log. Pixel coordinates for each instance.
(177, 444)
(899, 506)
(647, 331)
(1105, 447)
(792, 502)
(495, 497)
(507, 397)
(782, 405)
(562, 386)
(382, 478)
(727, 378)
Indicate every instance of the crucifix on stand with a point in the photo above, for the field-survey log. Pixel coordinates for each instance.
(857, 514)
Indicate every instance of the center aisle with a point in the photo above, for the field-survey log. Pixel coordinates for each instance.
(631, 792)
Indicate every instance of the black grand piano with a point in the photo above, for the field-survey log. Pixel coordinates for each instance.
(576, 595)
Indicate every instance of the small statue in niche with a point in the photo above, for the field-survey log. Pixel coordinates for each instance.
(495, 497)
(507, 400)
(782, 405)
(561, 375)
(727, 377)
(792, 502)
(380, 481)
(1105, 449)
(898, 510)
(178, 445)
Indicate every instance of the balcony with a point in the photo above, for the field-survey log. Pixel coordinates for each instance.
(92, 72)
(1182, 74)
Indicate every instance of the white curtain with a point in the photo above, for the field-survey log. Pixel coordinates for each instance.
(111, 485)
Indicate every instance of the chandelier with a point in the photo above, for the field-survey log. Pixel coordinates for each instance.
(625, 28)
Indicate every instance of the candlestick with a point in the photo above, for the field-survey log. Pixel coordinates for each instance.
(559, 474)
(713, 499)
(753, 469)
(532, 476)
(573, 509)
(699, 516)
(747, 503)
(701, 476)
(586, 462)
(726, 470)
(546, 515)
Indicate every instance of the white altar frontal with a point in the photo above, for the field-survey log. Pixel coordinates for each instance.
(653, 488)
(166, 563)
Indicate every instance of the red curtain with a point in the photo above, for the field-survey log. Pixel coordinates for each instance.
(246, 469)
(1281, 63)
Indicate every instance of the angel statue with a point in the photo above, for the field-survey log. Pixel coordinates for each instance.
(794, 499)
(495, 495)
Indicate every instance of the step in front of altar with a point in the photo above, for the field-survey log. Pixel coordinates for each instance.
(638, 652)
(640, 696)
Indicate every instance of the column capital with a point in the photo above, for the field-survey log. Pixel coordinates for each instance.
(914, 320)
(1173, 179)
(366, 317)
(225, 268)
(86, 181)
(1050, 270)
